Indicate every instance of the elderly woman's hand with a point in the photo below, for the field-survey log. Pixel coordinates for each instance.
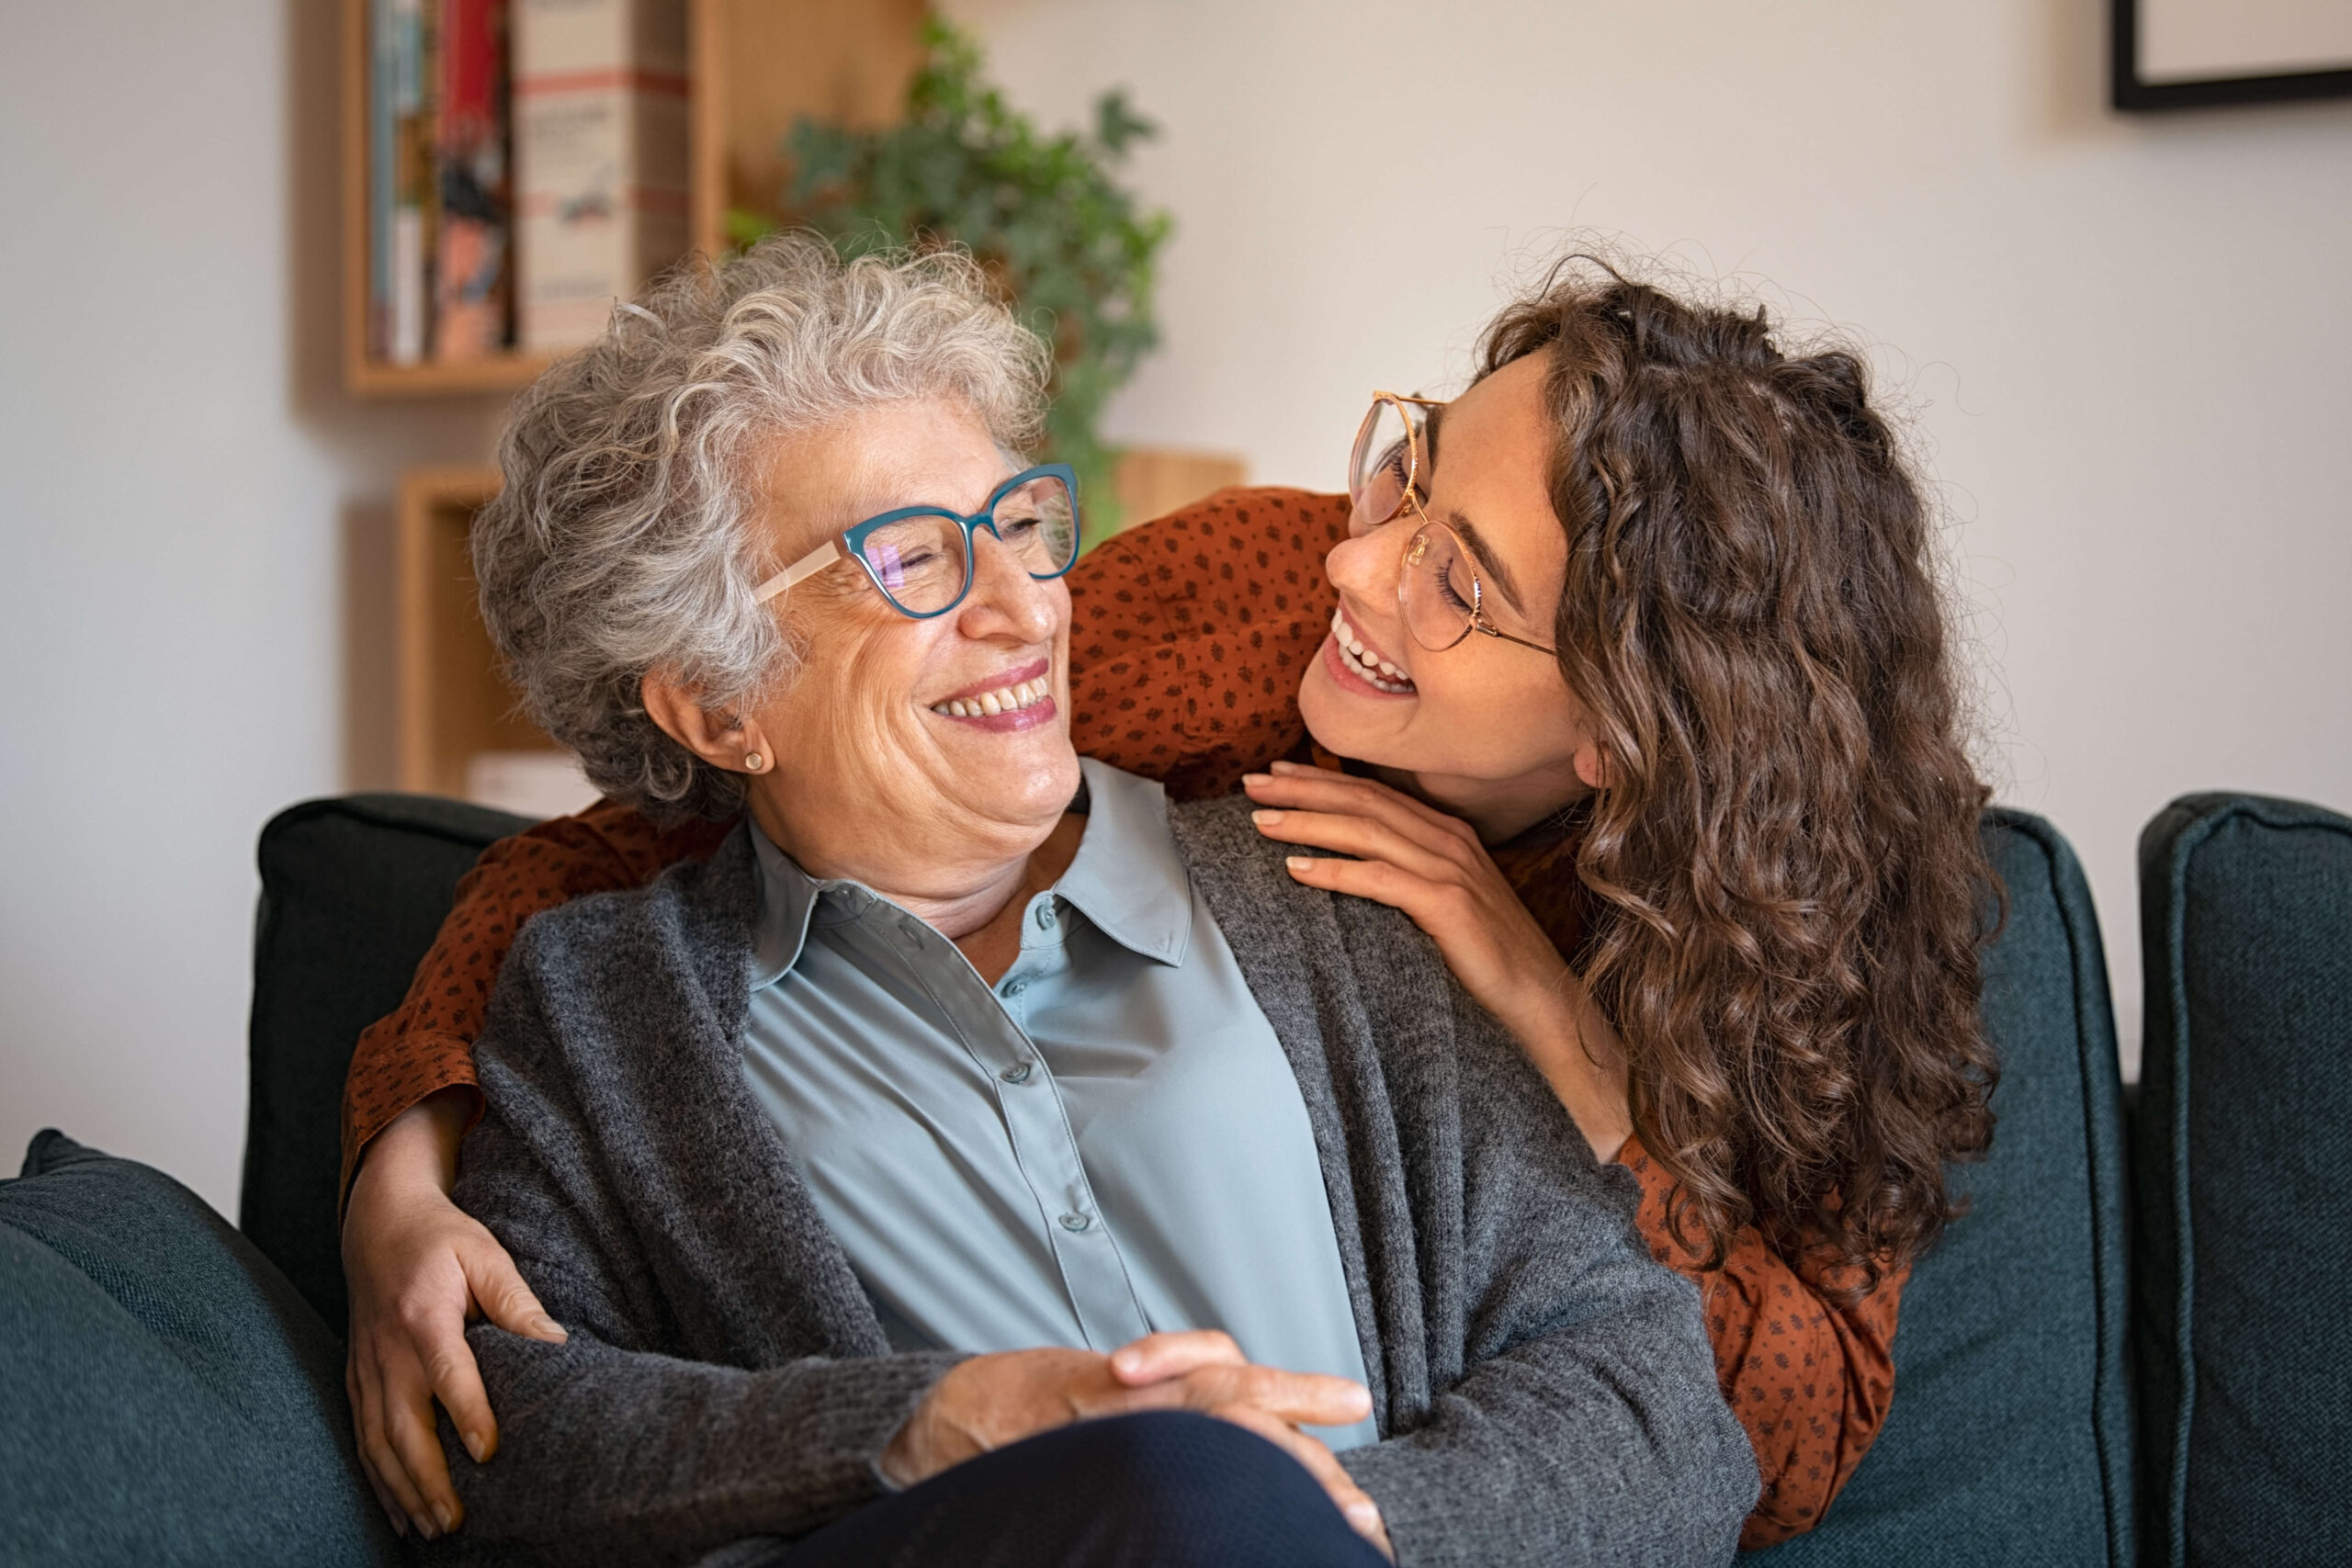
(418, 1267)
(989, 1401)
(1433, 867)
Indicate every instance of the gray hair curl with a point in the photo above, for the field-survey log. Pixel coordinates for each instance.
(623, 541)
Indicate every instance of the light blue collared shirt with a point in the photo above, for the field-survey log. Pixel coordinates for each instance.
(1108, 1143)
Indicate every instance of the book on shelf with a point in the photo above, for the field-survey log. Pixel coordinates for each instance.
(472, 272)
(600, 110)
(440, 211)
(403, 196)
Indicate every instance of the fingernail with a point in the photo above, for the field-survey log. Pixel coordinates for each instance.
(1363, 1516)
(1265, 818)
(1257, 778)
(547, 1325)
(1124, 1360)
(1298, 863)
(424, 1527)
(1284, 767)
(473, 1442)
(446, 1516)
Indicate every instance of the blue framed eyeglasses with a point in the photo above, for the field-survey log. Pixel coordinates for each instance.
(920, 557)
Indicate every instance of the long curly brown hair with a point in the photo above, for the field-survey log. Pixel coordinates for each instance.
(1788, 886)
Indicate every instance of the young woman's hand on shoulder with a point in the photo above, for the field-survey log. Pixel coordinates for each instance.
(1433, 867)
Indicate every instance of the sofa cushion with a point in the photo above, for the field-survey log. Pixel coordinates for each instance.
(2243, 1136)
(2010, 1441)
(170, 1397)
(352, 892)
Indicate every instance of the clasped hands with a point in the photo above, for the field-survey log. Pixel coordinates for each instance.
(992, 1400)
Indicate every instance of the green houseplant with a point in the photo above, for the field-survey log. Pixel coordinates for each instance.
(1073, 251)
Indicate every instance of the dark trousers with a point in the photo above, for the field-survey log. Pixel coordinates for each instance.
(1164, 1490)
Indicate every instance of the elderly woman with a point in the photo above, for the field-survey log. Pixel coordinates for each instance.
(914, 1179)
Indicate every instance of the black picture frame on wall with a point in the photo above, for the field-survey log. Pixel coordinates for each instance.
(2129, 92)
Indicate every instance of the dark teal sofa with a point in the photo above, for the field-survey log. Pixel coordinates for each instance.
(2020, 1434)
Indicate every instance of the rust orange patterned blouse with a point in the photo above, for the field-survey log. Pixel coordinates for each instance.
(1188, 638)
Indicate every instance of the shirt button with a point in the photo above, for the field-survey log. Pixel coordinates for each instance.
(1015, 988)
(1017, 1073)
(1045, 916)
(1077, 1222)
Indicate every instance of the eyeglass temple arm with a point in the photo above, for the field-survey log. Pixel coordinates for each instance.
(809, 565)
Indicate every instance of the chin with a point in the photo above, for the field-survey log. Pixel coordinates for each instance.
(1031, 774)
(1346, 727)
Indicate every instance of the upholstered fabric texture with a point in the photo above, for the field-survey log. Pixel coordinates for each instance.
(352, 891)
(169, 1398)
(2242, 1137)
(2010, 1439)
(2009, 1442)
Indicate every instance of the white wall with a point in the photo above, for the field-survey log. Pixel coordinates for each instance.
(193, 536)
(2128, 339)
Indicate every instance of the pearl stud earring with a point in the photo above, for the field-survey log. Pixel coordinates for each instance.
(753, 761)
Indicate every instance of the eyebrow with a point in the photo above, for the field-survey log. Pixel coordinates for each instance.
(1489, 562)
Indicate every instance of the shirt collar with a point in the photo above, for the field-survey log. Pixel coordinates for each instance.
(1125, 878)
(788, 898)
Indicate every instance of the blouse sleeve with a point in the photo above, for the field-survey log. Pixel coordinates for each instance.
(1189, 633)
(427, 1045)
(1808, 1375)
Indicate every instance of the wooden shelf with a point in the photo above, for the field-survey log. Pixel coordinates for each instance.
(757, 66)
(502, 373)
(453, 701)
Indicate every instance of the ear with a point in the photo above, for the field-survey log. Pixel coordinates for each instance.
(1592, 768)
(722, 739)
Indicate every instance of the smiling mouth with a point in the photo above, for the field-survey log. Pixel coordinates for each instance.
(1014, 696)
(1360, 660)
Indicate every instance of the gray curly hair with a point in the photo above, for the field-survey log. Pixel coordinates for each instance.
(623, 541)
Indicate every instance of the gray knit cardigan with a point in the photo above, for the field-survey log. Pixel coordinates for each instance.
(1543, 1389)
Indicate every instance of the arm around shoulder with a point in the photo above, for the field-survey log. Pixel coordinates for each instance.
(425, 1045)
(623, 1444)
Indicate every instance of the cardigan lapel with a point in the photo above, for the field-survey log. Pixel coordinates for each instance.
(1294, 955)
(748, 1264)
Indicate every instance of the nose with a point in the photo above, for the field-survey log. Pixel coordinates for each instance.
(1005, 601)
(1364, 568)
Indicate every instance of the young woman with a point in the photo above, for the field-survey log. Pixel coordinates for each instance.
(1634, 688)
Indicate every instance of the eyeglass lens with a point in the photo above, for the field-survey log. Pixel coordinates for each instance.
(923, 562)
(1437, 590)
(1383, 466)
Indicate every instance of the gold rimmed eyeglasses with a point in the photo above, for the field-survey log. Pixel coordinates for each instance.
(1438, 588)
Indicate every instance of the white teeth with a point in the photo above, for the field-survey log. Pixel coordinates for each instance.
(1372, 668)
(1005, 699)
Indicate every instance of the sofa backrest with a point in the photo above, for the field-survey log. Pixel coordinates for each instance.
(352, 892)
(2242, 1137)
(2010, 1441)
(2010, 1436)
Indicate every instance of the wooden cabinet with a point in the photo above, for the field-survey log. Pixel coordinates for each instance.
(453, 703)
